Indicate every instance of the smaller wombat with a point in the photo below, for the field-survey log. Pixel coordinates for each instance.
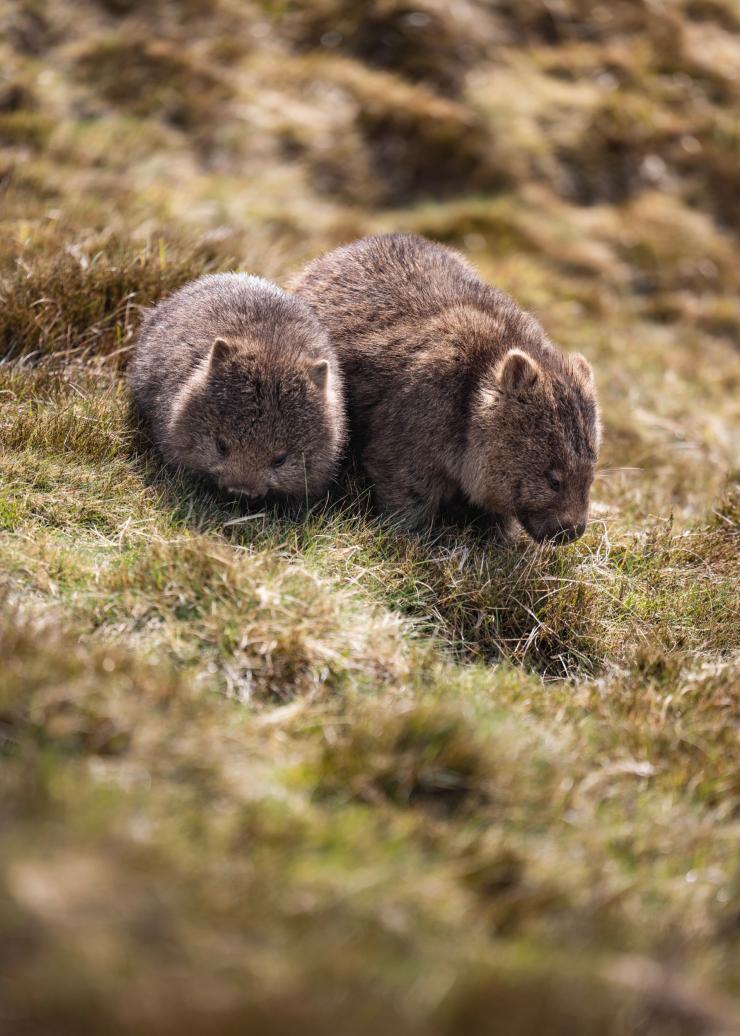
(237, 381)
(453, 389)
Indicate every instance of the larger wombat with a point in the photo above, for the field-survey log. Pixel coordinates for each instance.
(453, 388)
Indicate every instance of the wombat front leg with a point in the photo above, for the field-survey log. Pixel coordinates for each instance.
(409, 498)
(457, 510)
(405, 510)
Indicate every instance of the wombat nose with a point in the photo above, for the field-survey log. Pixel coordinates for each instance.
(253, 496)
(567, 533)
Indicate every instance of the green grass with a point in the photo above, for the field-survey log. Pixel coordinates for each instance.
(298, 771)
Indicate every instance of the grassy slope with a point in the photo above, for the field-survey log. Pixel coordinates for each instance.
(270, 773)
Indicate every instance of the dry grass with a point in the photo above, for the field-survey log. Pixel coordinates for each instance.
(280, 771)
(77, 301)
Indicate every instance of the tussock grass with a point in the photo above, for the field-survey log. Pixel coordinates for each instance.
(432, 42)
(152, 77)
(382, 138)
(77, 301)
(416, 758)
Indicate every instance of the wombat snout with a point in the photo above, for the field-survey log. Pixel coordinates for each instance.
(558, 534)
(252, 495)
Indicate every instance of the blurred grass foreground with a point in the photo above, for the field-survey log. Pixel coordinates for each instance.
(274, 775)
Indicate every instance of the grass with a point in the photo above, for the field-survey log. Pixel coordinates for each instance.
(262, 773)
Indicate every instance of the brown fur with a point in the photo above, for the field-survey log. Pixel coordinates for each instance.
(452, 387)
(233, 375)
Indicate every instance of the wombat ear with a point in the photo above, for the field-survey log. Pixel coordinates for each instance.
(318, 372)
(517, 371)
(582, 368)
(219, 351)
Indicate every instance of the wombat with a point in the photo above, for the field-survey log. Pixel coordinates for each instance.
(452, 388)
(237, 381)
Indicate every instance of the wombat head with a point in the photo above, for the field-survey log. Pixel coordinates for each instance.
(534, 442)
(259, 422)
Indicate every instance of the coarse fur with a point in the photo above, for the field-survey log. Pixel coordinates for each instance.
(453, 388)
(237, 381)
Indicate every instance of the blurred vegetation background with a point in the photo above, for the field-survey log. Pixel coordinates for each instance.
(262, 775)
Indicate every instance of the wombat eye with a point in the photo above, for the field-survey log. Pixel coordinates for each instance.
(554, 482)
(279, 460)
(222, 446)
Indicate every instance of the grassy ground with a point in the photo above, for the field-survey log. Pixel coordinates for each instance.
(261, 773)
